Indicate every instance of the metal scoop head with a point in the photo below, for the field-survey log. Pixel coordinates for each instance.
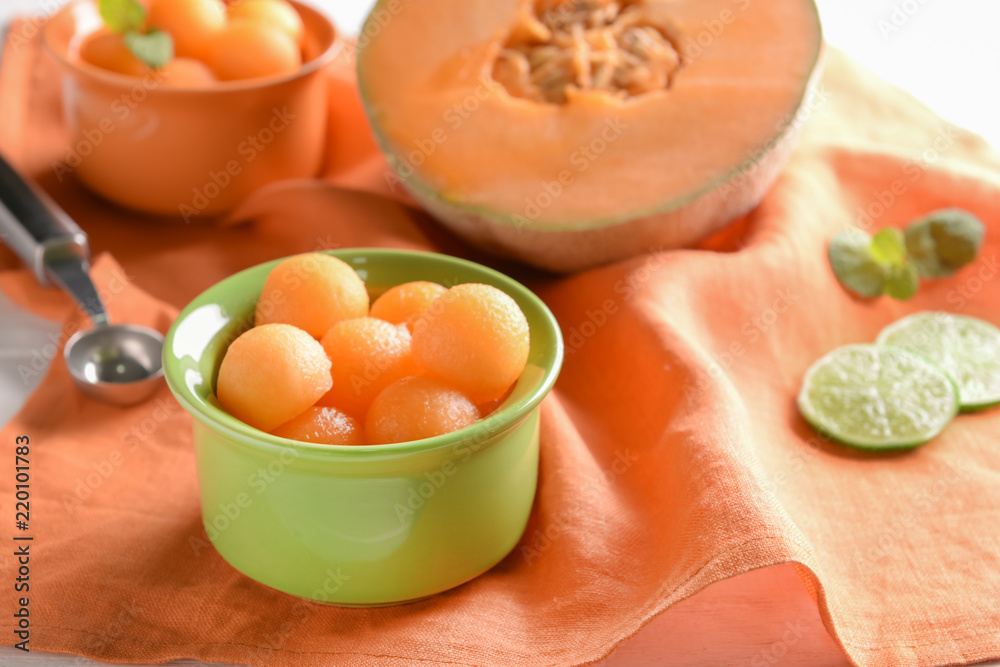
(119, 364)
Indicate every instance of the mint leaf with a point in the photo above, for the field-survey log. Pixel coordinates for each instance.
(889, 247)
(944, 241)
(892, 262)
(902, 282)
(122, 15)
(853, 264)
(155, 48)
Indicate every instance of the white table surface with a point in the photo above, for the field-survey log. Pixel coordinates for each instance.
(945, 53)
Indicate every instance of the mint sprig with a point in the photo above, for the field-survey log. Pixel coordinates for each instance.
(902, 282)
(888, 247)
(892, 262)
(154, 48)
(872, 266)
(122, 15)
(944, 241)
(854, 264)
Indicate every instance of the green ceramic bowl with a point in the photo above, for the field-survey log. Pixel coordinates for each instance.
(368, 525)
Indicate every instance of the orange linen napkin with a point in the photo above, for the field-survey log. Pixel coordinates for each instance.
(672, 452)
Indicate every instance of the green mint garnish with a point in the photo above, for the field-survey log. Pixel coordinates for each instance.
(892, 262)
(873, 266)
(122, 15)
(944, 241)
(889, 247)
(902, 282)
(853, 263)
(155, 48)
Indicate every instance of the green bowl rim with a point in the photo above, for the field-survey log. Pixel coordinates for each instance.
(493, 424)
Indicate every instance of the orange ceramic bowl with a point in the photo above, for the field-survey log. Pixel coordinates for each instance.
(189, 152)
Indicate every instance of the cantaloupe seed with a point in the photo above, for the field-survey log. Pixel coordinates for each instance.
(367, 355)
(313, 292)
(403, 304)
(625, 54)
(415, 408)
(324, 426)
(474, 337)
(271, 374)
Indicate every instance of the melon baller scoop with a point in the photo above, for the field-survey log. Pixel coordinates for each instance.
(112, 363)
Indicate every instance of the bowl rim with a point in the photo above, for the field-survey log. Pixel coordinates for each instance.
(115, 78)
(481, 431)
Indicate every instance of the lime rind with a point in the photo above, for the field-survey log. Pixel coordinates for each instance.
(877, 397)
(966, 348)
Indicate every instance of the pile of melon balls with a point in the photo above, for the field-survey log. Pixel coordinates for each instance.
(321, 366)
(213, 42)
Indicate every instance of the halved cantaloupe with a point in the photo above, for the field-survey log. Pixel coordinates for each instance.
(574, 133)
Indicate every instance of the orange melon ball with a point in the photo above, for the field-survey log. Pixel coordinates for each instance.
(313, 292)
(186, 73)
(323, 426)
(107, 50)
(271, 374)
(276, 13)
(367, 355)
(248, 50)
(415, 408)
(193, 24)
(475, 337)
(403, 304)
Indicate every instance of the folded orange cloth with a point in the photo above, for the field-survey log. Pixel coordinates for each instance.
(672, 452)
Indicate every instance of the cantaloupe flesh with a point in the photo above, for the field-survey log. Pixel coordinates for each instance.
(661, 149)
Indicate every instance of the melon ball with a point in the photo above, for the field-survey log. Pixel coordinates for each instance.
(193, 24)
(249, 49)
(271, 374)
(107, 50)
(324, 426)
(403, 304)
(313, 292)
(275, 13)
(415, 408)
(474, 337)
(367, 355)
(186, 73)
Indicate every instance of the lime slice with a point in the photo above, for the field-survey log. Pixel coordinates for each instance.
(966, 348)
(877, 397)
